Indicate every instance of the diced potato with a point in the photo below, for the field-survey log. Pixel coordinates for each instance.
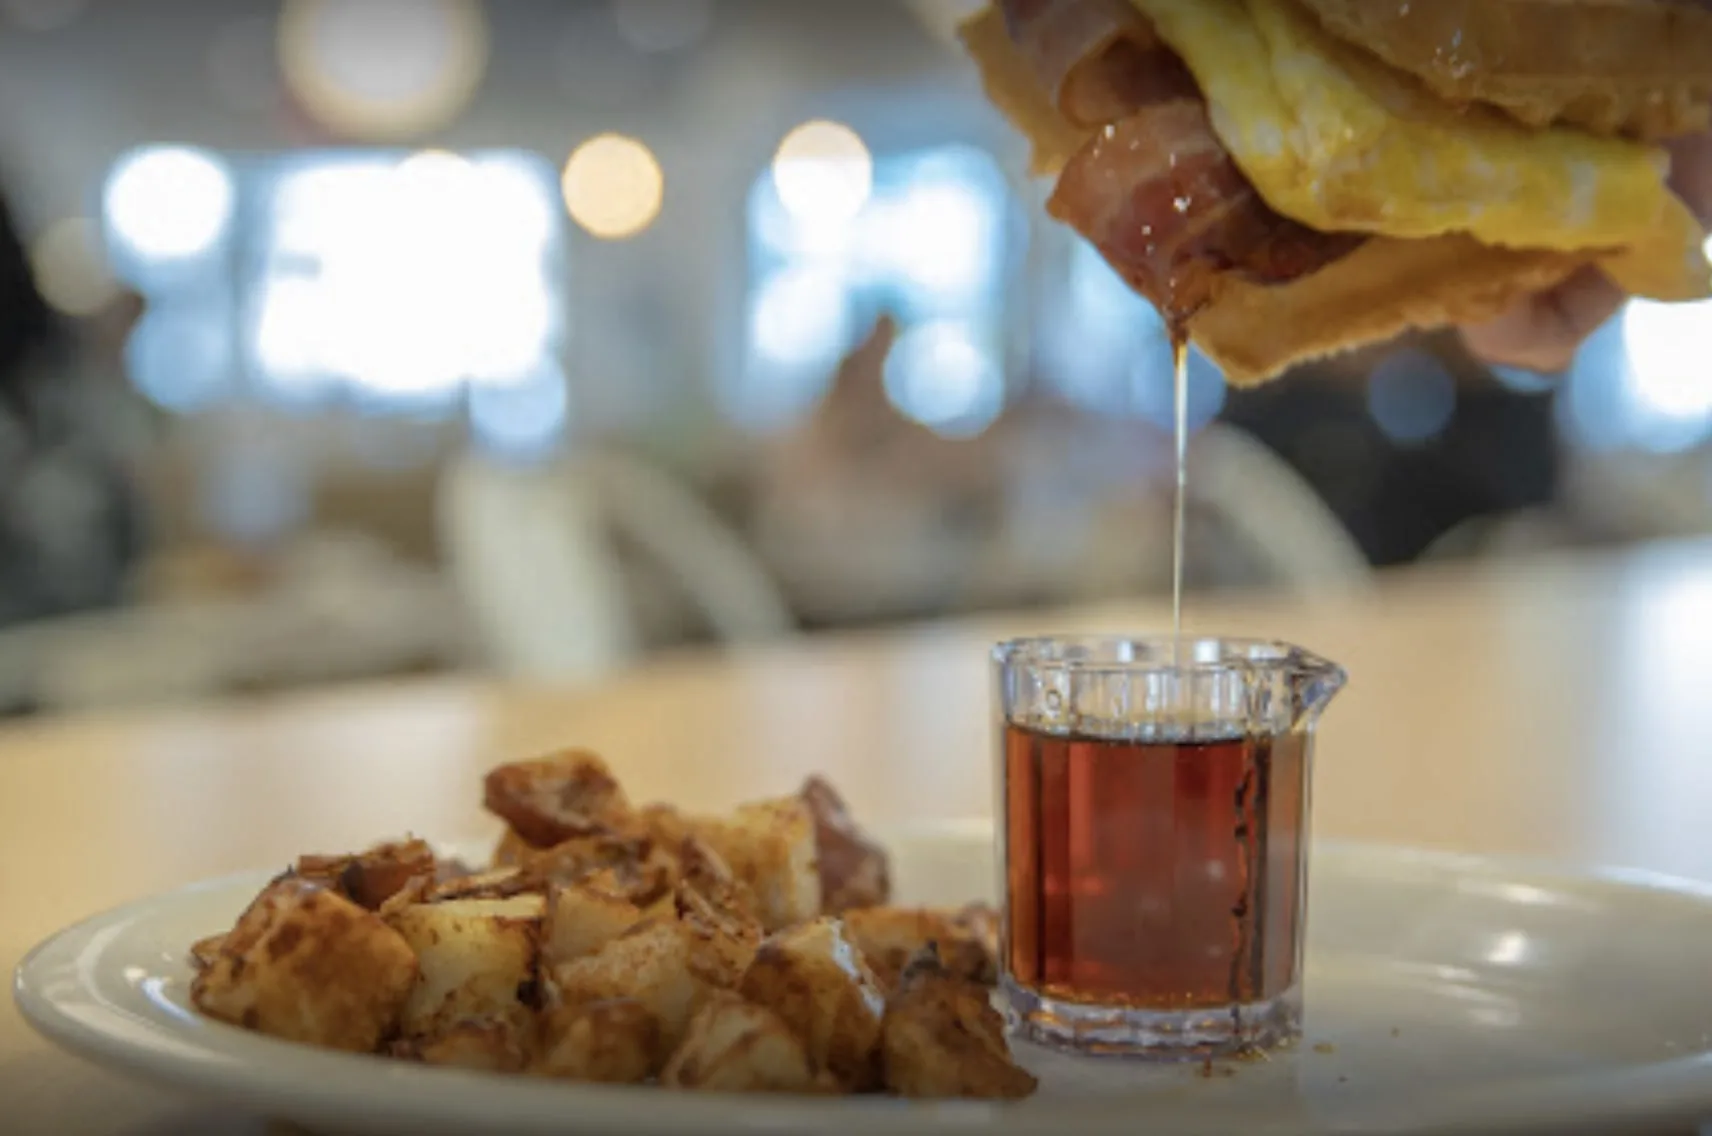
(770, 846)
(722, 942)
(496, 883)
(607, 944)
(307, 965)
(650, 965)
(613, 1042)
(705, 870)
(452, 868)
(203, 952)
(663, 824)
(370, 878)
(582, 920)
(979, 922)
(664, 908)
(854, 868)
(557, 798)
(642, 879)
(477, 960)
(512, 851)
(735, 1046)
(629, 866)
(490, 1045)
(816, 980)
(942, 1038)
(889, 937)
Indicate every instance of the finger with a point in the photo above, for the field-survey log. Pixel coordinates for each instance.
(1691, 173)
(1543, 332)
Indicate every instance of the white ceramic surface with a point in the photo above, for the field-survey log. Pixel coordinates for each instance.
(1444, 993)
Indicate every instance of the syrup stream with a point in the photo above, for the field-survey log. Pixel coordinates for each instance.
(1180, 361)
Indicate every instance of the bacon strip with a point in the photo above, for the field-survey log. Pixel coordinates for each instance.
(1172, 214)
(1155, 190)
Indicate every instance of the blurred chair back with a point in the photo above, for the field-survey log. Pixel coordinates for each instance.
(532, 552)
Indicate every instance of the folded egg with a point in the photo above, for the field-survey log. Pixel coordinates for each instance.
(1339, 141)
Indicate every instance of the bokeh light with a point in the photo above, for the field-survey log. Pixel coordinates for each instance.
(823, 173)
(938, 234)
(800, 315)
(613, 186)
(1411, 396)
(1642, 381)
(1670, 357)
(919, 236)
(169, 202)
(525, 419)
(180, 357)
(942, 376)
(800, 322)
(383, 68)
(408, 279)
(70, 267)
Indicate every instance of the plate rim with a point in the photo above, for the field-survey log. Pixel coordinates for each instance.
(84, 1022)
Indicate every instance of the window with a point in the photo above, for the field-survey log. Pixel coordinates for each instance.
(835, 241)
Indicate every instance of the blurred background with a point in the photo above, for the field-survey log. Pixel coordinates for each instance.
(354, 338)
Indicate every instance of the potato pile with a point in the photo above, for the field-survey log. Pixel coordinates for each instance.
(607, 943)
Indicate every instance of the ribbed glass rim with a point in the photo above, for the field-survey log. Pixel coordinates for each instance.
(1158, 655)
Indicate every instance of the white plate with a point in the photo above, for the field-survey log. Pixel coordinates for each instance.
(1444, 993)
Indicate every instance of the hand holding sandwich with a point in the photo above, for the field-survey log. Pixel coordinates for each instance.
(1542, 332)
(1287, 179)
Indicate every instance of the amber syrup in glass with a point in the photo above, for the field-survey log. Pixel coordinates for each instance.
(1158, 875)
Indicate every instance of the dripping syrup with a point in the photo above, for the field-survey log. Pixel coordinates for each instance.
(1177, 317)
(1179, 501)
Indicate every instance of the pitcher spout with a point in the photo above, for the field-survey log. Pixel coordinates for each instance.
(1314, 682)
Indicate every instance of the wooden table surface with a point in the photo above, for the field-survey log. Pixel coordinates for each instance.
(1558, 708)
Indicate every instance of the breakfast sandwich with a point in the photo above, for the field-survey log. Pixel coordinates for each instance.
(1285, 179)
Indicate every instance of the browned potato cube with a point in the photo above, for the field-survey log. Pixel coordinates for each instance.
(582, 920)
(734, 1046)
(817, 982)
(613, 1042)
(512, 851)
(650, 965)
(722, 942)
(705, 870)
(942, 1038)
(980, 923)
(496, 883)
(889, 937)
(854, 868)
(642, 878)
(453, 868)
(665, 908)
(477, 960)
(663, 824)
(370, 878)
(631, 867)
(770, 846)
(546, 802)
(203, 952)
(307, 965)
(487, 1044)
